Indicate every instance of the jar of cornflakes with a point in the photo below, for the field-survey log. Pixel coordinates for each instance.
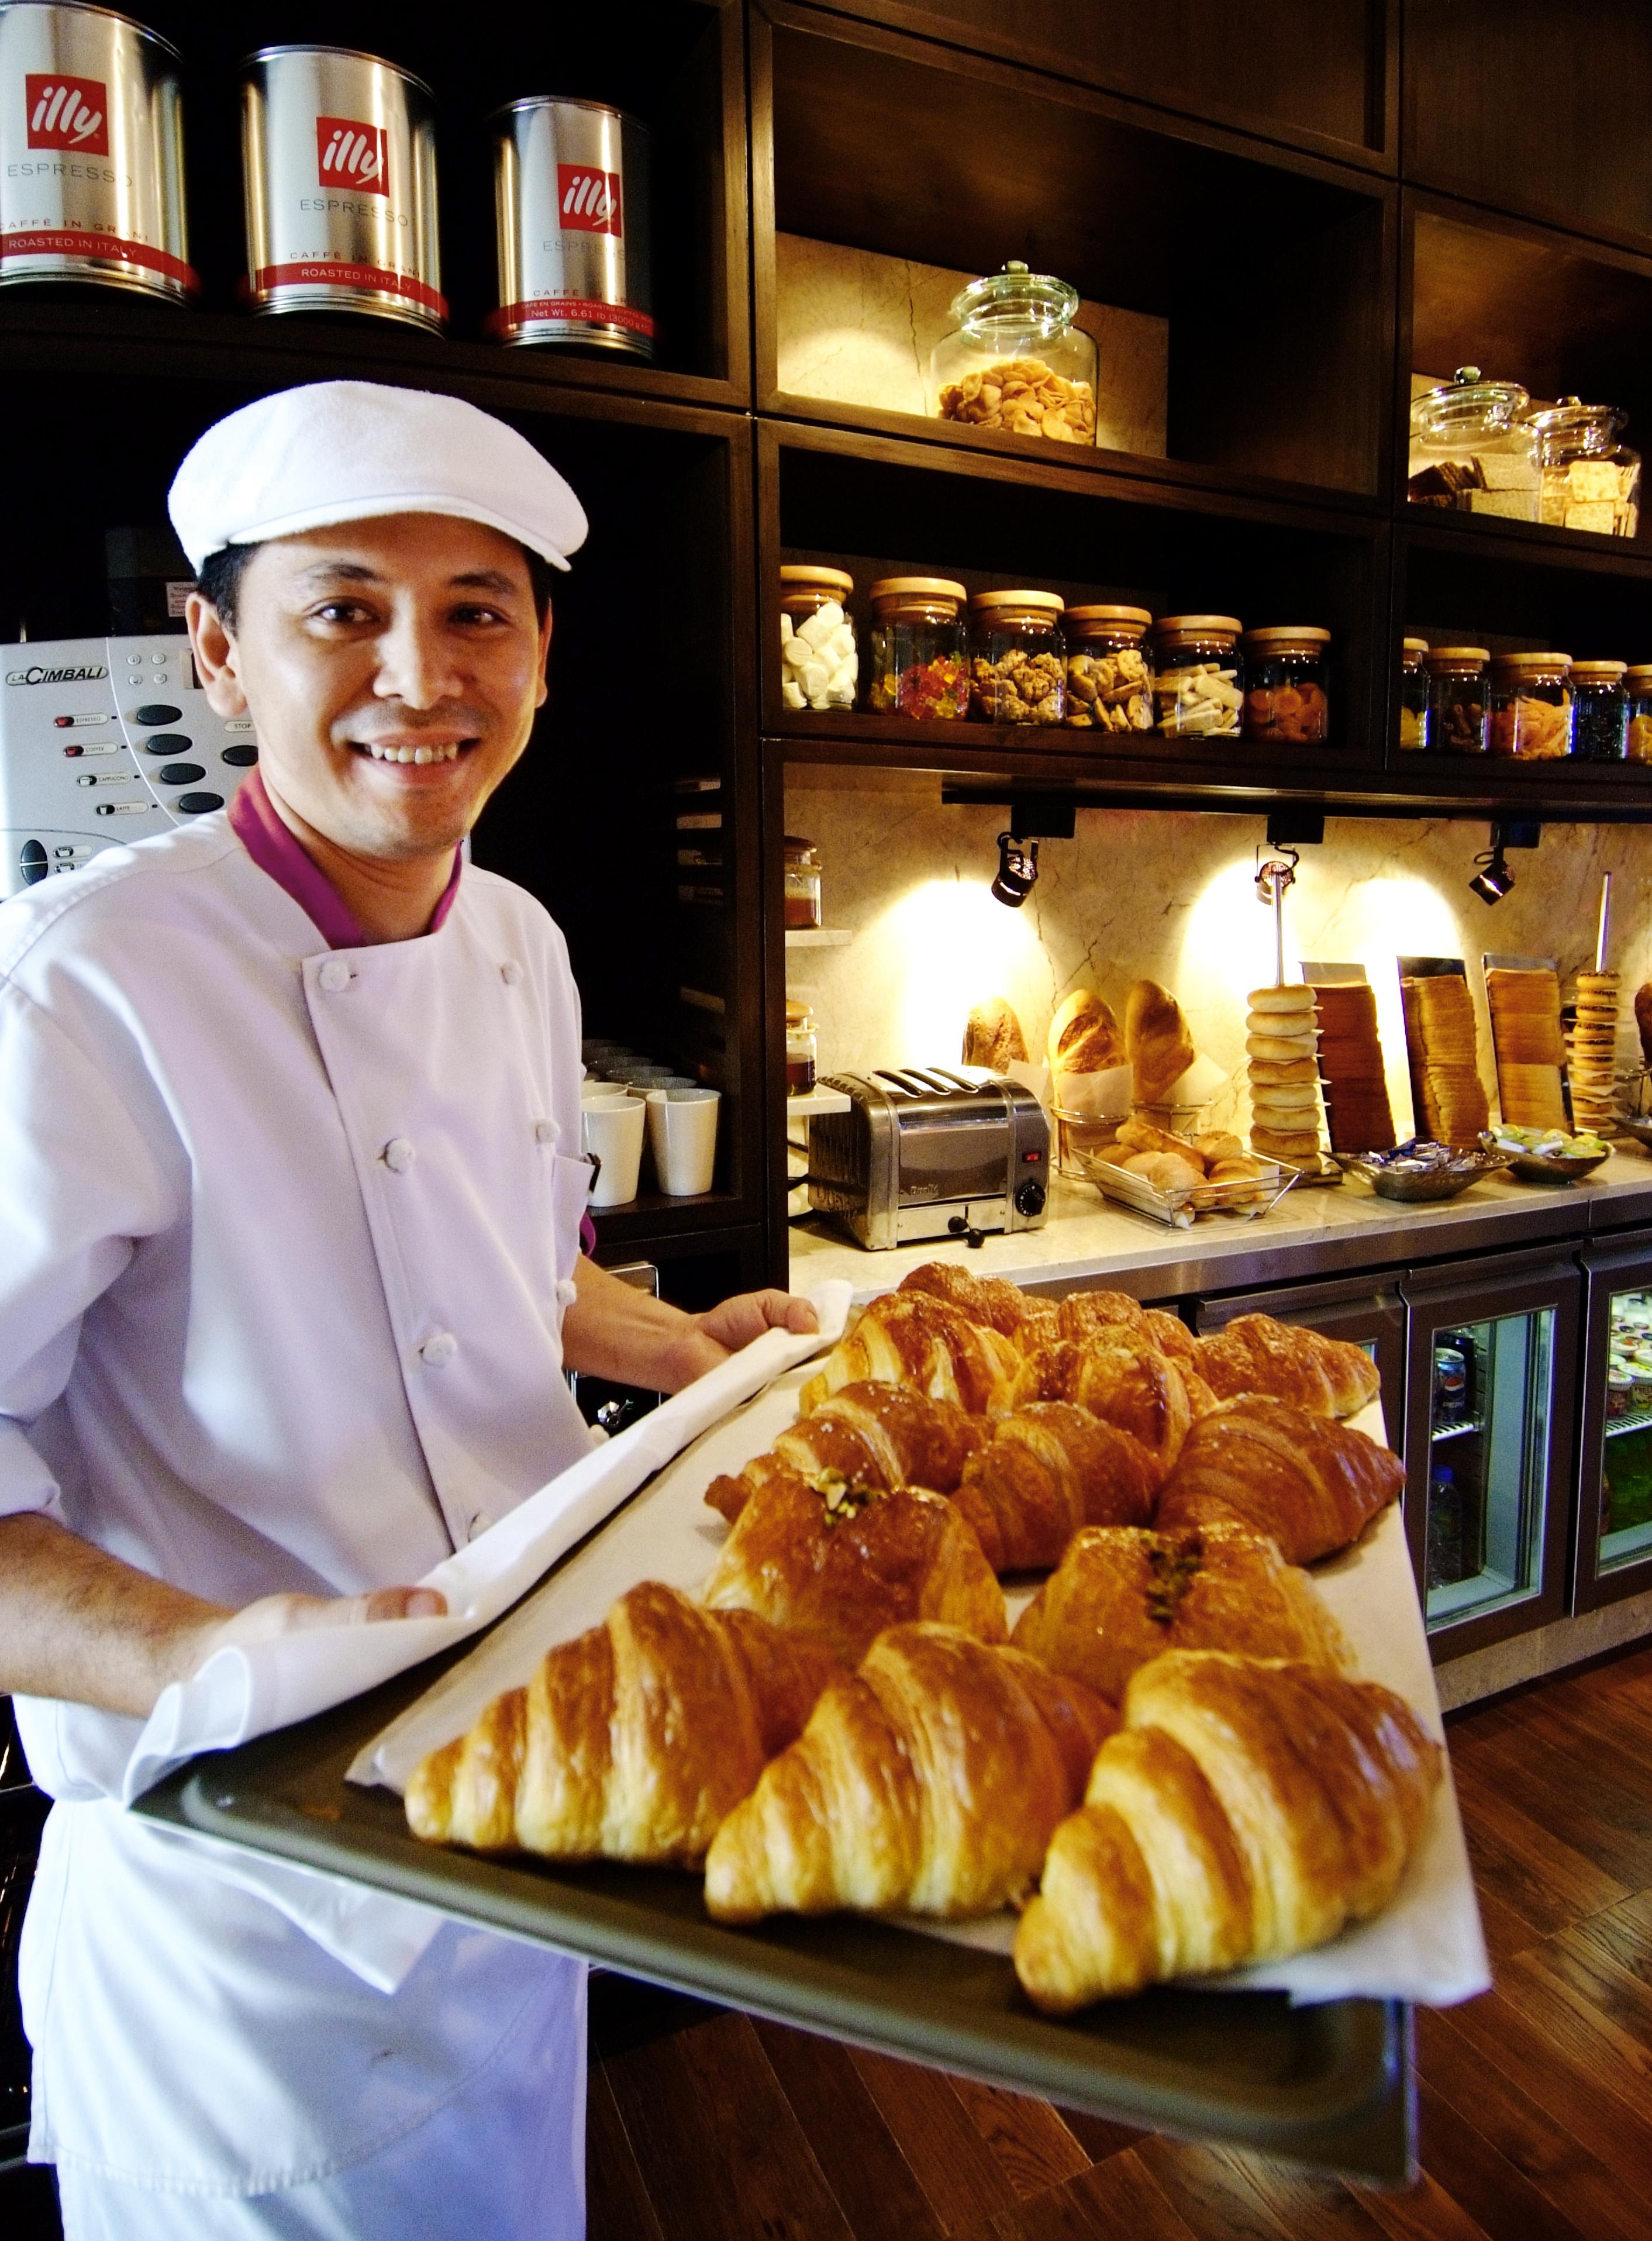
(1016, 361)
(1018, 659)
(1286, 678)
(1531, 707)
(1109, 683)
(920, 645)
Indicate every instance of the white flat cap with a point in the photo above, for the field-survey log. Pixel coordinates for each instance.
(353, 451)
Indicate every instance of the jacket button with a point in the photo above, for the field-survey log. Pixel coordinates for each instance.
(334, 975)
(546, 1132)
(567, 1291)
(438, 1350)
(398, 1155)
(510, 972)
(477, 1527)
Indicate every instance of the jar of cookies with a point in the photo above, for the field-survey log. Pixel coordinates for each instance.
(1414, 696)
(1531, 707)
(1109, 685)
(1198, 688)
(1286, 678)
(919, 648)
(820, 661)
(1600, 712)
(1588, 480)
(1016, 361)
(1018, 657)
(1457, 698)
(1637, 685)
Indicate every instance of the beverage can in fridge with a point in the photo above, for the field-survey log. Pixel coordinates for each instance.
(571, 210)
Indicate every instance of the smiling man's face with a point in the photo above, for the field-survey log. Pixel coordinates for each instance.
(392, 669)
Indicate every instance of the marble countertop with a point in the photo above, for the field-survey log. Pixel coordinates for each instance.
(1312, 1233)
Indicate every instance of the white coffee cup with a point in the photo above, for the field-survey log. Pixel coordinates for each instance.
(682, 1130)
(603, 1092)
(613, 1134)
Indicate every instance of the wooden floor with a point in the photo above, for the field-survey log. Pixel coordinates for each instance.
(1535, 2101)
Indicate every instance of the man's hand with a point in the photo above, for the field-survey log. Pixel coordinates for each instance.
(614, 1330)
(292, 1613)
(724, 1329)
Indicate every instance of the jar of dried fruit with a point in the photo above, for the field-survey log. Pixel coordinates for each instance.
(820, 661)
(1198, 679)
(1638, 684)
(1600, 712)
(1286, 675)
(1588, 480)
(1109, 683)
(802, 897)
(1414, 696)
(919, 648)
(1018, 657)
(1531, 705)
(1457, 698)
(1015, 361)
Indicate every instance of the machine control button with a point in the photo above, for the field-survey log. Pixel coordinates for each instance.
(32, 862)
(239, 758)
(179, 774)
(169, 743)
(123, 809)
(196, 805)
(155, 711)
(1029, 1198)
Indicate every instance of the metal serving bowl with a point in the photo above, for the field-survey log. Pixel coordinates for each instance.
(1541, 1168)
(1638, 1125)
(1423, 1186)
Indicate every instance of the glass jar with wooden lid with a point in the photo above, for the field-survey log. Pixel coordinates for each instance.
(1637, 685)
(1600, 712)
(1109, 679)
(919, 648)
(1458, 692)
(1287, 677)
(1198, 678)
(1018, 657)
(1531, 707)
(1414, 696)
(802, 1049)
(801, 909)
(820, 661)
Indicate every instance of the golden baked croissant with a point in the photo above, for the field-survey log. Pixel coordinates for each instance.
(1172, 1336)
(842, 1562)
(1145, 1392)
(1250, 1808)
(1084, 1314)
(874, 1435)
(1257, 1353)
(1048, 1469)
(931, 1780)
(908, 1338)
(992, 1301)
(630, 1742)
(1123, 1598)
(1313, 1485)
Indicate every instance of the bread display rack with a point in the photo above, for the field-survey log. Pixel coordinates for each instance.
(1178, 1208)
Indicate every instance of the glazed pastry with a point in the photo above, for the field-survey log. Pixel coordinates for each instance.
(1157, 1042)
(909, 1338)
(872, 1436)
(1311, 1484)
(929, 1781)
(1250, 1808)
(1257, 1353)
(630, 1743)
(1147, 1394)
(1048, 1469)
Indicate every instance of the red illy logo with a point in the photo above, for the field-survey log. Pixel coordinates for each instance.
(589, 199)
(67, 112)
(351, 154)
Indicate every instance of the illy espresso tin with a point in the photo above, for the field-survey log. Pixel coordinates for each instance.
(571, 204)
(92, 161)
(338, 158)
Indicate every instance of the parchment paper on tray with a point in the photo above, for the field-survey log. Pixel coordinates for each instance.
(1426, 1946)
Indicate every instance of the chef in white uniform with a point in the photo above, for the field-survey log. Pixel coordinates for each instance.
(291, 1193)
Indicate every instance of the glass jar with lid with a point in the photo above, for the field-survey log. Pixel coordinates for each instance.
(1458, 699)
(801, 913)
(1018, 657)
(1637, 685)
(820, 661)
(1109, 679)
(1531, 707)
(1016, 361)
(1472, 449)
(802, 1049)
(1588, 480)
(1414, 696)
(1198, 678)
(1287, 677)
(1600, 712)
(919, 648)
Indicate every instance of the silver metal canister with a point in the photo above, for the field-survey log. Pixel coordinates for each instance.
(91, 152)
(571, 206)
(338, 164)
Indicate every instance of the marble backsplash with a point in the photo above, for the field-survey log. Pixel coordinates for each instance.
(1170, 896)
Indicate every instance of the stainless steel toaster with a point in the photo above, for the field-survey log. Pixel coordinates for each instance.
(934, 1151)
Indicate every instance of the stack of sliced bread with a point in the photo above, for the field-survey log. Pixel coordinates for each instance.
(1282, 1033)
(1442, 1044)
(1351, 1071)
(1527, 1044)
(1594, 1049)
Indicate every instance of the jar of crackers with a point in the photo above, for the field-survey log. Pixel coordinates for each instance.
(1414, 696)
(1016, 361)
(1018, 659)
(1198, 678)
(1457, 698)
(1637, 685)
(1472, 449)
(1109, 681)
(1531, 707)
(1286, 676)
(919, 648)
(1600, 712)
(1588, 480)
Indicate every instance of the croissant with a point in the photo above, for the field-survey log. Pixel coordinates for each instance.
(843, 1563)
(907, 1338)
(992, 1302)
(1121, 1597)
(1250, 1808)
(1083, 1315)
(931, 1780)
(1048, 1469)
(1135, 1388)
(1255, 1354)
(872, 1436)
(630, 1743)
(1172, 1336)
(1309, 1483)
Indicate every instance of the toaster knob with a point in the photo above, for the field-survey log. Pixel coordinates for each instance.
(1029, 1199)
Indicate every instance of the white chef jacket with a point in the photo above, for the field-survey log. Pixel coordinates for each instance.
(286, 1233)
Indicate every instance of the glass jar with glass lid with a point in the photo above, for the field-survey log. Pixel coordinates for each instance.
(1198, 679)
(1287, 700)
(1109, 680)
(820, 661)
(1471, 448)
(1531, 707)
(1016, 361)
(1588, 480)
(1600, 712)
(1458, 699)
(1018, 657)
(920, 647)
(1414, 696)
(1637, 685)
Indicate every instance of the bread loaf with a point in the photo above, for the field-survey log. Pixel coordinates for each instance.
(992, 1036)
(1084, 1035)
(1157, 1042)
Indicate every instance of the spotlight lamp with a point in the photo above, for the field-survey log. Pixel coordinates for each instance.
(1017, 872)
(1493, 877)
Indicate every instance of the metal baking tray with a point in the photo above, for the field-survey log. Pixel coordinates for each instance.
(1327, 2086)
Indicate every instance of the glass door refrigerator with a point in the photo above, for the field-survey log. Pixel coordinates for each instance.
(1364, 1310)
(1612, 1554)
(1488, 1444)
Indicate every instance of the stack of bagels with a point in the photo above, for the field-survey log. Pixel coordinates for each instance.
(1281, 1036)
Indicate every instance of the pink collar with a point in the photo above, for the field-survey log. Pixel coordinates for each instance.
(275, 848)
